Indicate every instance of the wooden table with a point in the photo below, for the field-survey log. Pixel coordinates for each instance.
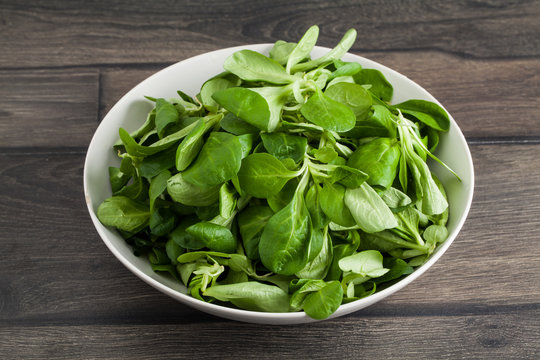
(63, 64)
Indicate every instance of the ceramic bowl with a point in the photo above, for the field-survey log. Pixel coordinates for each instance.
(188, 75)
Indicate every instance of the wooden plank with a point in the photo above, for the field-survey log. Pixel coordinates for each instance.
(483, 96)
(117, 32)
(54, 266)
(117, 81)
(48, 108)
(499, 336)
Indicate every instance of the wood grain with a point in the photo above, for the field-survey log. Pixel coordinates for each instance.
(48, 108)
(499, 336)
(46, 232)
(136, 33)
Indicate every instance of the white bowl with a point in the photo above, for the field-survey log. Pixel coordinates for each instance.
(188, 76)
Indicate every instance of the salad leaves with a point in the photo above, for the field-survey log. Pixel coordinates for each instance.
(288, 183)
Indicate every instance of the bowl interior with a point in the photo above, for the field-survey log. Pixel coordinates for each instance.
(188, 76)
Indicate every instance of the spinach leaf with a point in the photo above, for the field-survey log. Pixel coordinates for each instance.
(247, 104)
(366, 263)
(303, 48)
(427, 112)
(281, 51)
(281, 199)
(379, 159)
(397, 268)
(191, 145)
(368, 209)
(227, 201)
(317, 268)
(324, 302)
(186, 193)
(344, 69)
(330, 114)
(251, 223)
(262, 175)
(236, 126)
(285, 239)
(184, 239)
(251, 295)
(332, 199)
(157, 186)
(335, 54)
(354, 96)
(209, 88)
(380, 87)
(215, 237)
(250, 65)
(166, 116)
(123, 213)
(319, 219)
(283, 146)
(152, 165)
(162, 221)
(218, 161)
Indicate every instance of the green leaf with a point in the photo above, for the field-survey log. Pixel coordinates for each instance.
(210, 87)
(117, 178)
(379, 159)
(281, 199)
(354, 96)
(321, 110)
(152, 165)
(215, 237)
(162, 221)
(182, 238)
(435, 234)
(218, 161)
(284, 242)
(366, 263)
(251, 223)
(380, 87)
(262, 175)
(379, 124)
(332, 203)
(324, 302)
(134, 149)
(157, 186)
(166, 116)
(189, 148)
(318, 267)
(303, 48)
(173, 251)
(247, 104)
(313, 203)
(251, 295)
(394, 198)
(192, 195)
(123, 213)
(397, 268)
(368, 209)
(283, 146)
(335, 54)
(236, 126)
(281, 51)
(427, 112)
(250, 65)
(227, 201)
(344, 69)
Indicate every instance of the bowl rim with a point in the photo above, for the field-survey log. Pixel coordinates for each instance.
(272, 317)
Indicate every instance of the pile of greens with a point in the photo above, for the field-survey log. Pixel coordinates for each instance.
(287, 184)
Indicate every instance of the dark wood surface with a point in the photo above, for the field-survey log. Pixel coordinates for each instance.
(64, 64)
